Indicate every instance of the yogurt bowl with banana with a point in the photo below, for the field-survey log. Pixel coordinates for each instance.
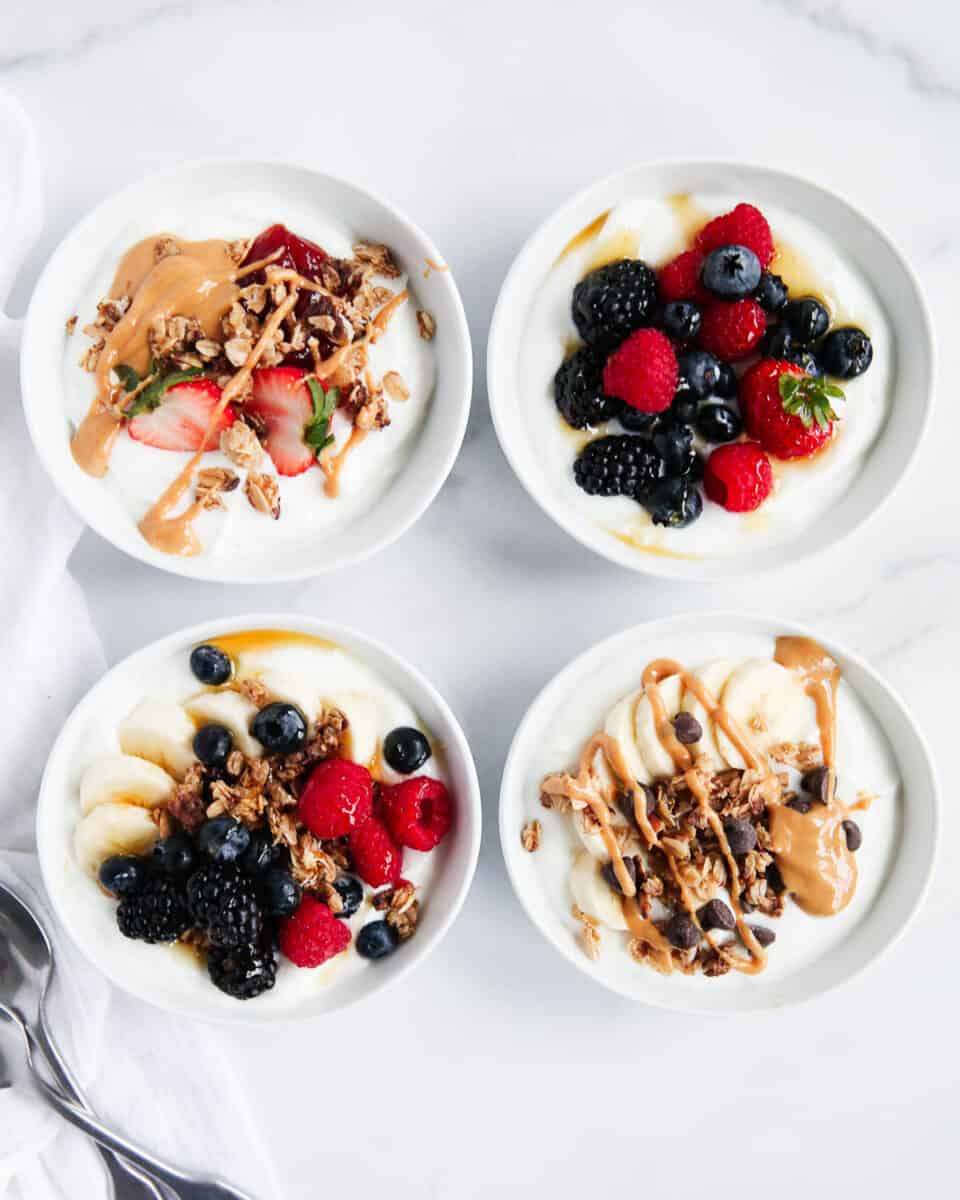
(717, 813)
(282, 819)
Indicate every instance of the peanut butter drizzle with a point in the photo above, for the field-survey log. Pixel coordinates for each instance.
(199, 280)
(332, 464)
(644, 930)
(821, 677)
(176, 535)
(811, 852)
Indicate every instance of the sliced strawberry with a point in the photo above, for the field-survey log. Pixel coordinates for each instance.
(182, 417)
(299, 254)
(282, 401)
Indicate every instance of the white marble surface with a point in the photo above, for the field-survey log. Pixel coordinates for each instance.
(497, 1069)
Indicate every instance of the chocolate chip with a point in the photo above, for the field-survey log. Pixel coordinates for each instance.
(818, 784)
(741, 835)
(681, 931)
(766, 937)
(800, 804)
(716, 915)
(625, 802)
(854, 836)
(610, 875)
(775, 879)
(687, 728)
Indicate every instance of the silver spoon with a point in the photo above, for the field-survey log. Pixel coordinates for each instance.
(25, 982)
(187, 1187)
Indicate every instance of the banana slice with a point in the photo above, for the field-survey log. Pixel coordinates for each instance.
(112, 829)
(296, 690)
(161, 732)
(593, 895)
(233, 711)
(770, 704)
(658, 762)
(619, 725)
(123, 779)
(713, 675)
(363, 714)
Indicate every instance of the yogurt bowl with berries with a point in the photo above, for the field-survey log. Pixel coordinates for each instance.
(258, 819)
(696, 368)
(260, 371)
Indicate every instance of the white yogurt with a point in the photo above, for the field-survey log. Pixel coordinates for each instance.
(865, 764)
(652, 228)
(139, 473)
(373, 708)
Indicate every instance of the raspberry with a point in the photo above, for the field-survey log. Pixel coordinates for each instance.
(643, 372)
(738, 476)
(744, 226)
(417, 812)
(312, 935)
(679, 279)
(788, 411)
(377, 859)
(337, 797)
(731, 331)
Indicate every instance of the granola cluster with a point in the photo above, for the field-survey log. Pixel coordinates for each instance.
(687, 868)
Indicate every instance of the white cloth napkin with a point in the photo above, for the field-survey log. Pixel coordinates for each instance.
(165, 1083)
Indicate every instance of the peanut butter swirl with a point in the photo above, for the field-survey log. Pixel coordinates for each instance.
(809, 847)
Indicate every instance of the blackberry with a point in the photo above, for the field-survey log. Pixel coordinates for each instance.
(242, 971)
(578, 390)
(158, 913)
(223, 903)
(613, 301)
(618, 466)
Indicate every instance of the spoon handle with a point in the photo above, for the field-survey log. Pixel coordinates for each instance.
(119, 1170)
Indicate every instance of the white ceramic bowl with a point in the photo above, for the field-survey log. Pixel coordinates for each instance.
(895, 869)
(182, 987)
(262, 559)
(866, 246)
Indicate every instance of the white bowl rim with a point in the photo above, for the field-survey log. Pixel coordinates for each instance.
(360, 643)
(500, 327)
(678, 622)
(197, 567)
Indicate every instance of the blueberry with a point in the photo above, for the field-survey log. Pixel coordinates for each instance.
(260, 855)
(212, 745)
(807, 319)
(697, 468)
(351, 893)
(674, 444)
(376, 940)
(635, 421)
(210, 665)
(731, 272)
(175, 855)
(727, 383)
(123, 874)
(405, 749)
(279, 893)
(680, 320)
(223, 839)
(700, 370)
(718, 423)
(777, 342)
(280, 728)
(771, 293)
(684, 406)
(846, 352)
(806, 359)
(675, 502)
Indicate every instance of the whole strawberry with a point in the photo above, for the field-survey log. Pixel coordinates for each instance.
(788, 412)
(643, 372)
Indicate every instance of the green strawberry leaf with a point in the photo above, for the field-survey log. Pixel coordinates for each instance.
(151, 397)
(317, 433)
(808, 397)
(127, 376)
